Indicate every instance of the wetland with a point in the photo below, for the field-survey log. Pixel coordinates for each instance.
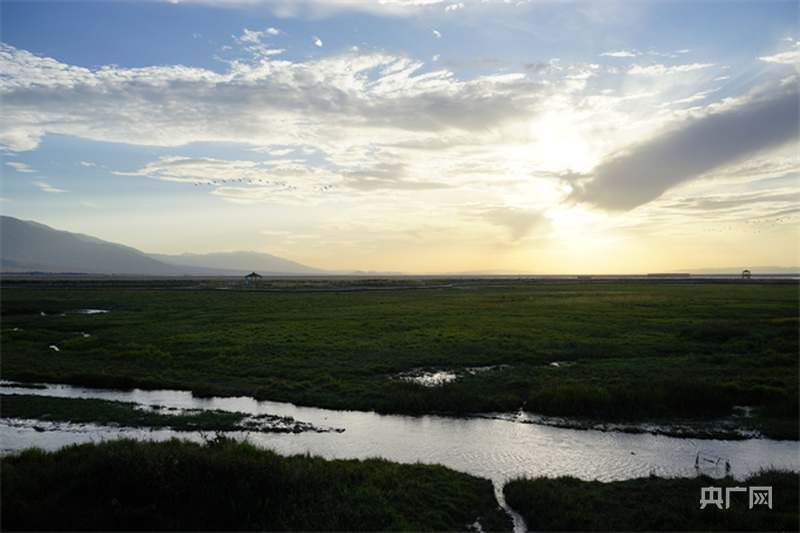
(639, 360)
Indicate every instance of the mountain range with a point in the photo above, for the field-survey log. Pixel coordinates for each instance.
(27, 246)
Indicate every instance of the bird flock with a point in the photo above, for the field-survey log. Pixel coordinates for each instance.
(754, 226)
(277, 185)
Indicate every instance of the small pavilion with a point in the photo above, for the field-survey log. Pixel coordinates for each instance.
(252, 277)
(746, 274)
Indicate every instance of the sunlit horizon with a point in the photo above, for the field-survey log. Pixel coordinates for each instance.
(414, 137)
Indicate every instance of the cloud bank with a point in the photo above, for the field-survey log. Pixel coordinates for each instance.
(378, 120)
(267, 102)
(722, 135)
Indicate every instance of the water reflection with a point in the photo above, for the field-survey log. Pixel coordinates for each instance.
(495, 448)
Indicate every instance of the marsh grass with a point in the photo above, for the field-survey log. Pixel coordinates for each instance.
(637, 351)
(652, 504)
(104, 412)
(224, 485)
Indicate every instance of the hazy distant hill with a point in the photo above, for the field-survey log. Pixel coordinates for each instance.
(237, 262)
(27, 246)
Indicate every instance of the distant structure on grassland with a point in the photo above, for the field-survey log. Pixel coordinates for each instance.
(252, 277)
(745, 274)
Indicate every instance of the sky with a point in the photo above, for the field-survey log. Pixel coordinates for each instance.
(415, 136)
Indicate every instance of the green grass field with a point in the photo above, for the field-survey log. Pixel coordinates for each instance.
(636, 351)
(104, 412)
(654, 504)
(226, 486)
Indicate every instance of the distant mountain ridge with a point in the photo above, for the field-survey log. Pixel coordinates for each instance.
(227, 262)
(31, 246)
(27, 246)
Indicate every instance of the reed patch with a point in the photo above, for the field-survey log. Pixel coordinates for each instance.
(225, 485)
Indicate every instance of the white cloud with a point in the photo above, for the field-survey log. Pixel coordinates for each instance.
(195, 170)
(663, 70)
(19, 167)
(323, 8)
(437, 34)
(47, 187)
(279, 152)
(250, 36)
(702, 95)
(672, 55)
(454, 7)
(317, 41)
(790, 57)
(622, 53)
(330, 101)
(251, 40)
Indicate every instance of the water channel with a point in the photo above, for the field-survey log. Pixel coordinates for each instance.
(498, 448)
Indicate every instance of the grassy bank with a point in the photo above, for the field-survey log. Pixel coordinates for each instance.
(653, 504)
(128, 485)
(90, 410)
(624, 351)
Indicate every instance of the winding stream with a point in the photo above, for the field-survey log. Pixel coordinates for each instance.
(497, 448)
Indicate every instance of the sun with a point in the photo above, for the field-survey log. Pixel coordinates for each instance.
(557, 144)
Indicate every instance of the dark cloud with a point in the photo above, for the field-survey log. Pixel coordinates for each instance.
(539, 68)
(475, 106)
(734, 201)
(386, 176)
(646, 171)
